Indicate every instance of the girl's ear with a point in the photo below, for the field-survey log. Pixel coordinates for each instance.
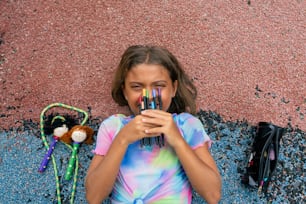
(175, 85)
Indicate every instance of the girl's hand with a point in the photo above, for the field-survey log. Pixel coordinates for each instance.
(157, 122)
(136, 129)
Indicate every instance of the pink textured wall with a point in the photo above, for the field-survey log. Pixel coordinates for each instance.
(247, 58)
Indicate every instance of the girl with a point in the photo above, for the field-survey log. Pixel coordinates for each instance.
(133, 173)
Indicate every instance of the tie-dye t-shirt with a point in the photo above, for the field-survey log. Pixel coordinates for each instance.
(150, 174)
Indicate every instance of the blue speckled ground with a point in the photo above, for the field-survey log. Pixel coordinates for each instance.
(22, 152)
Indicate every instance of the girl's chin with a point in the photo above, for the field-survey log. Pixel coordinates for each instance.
(135, 112)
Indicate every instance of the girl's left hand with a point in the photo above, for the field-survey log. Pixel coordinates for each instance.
(162, 123)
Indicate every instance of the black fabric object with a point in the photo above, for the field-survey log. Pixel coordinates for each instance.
(51, 124)
(264, 156)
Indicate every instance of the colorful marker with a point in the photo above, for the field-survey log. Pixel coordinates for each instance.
(141, 107)
(140, 104)
(154, 106)
(145, 99)
(160, 103)
(143, 104)
(153, 102)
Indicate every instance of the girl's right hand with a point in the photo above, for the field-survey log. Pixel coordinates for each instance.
(135, 130)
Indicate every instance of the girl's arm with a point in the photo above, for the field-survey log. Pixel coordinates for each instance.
(103, 171)
(201, 170)
(198, 164)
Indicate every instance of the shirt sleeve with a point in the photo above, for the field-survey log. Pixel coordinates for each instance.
(193, 131)
(106, 133)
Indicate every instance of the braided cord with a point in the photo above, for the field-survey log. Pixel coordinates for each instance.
(75, 179)
(43, 136)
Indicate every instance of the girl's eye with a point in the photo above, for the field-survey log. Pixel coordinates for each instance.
(136, 87)
(160, 85)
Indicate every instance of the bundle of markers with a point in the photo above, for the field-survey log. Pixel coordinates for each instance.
(155, 103)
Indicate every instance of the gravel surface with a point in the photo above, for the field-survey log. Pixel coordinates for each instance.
(22, 151)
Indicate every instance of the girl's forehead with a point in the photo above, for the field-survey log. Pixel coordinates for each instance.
(148, 71)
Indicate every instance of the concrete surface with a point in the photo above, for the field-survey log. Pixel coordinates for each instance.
(247, 58)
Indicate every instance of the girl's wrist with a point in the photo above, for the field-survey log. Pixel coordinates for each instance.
(121, 140)
(179, 144)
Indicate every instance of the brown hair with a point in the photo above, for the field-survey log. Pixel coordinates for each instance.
(89, 133)
(183, 101)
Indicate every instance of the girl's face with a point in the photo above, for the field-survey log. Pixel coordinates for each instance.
(148, 76)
